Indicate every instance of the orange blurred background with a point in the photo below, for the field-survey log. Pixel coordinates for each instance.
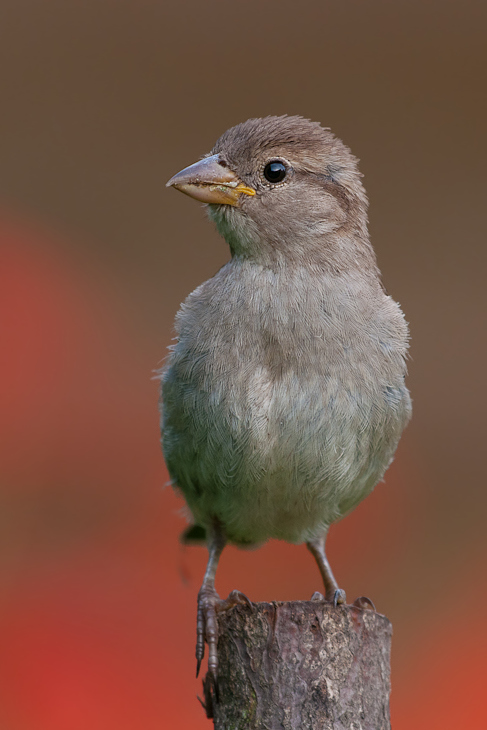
(101, 103)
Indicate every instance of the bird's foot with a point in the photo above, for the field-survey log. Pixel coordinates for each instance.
(339, 597)
(207, 629)
(364, 602)
(209, 604)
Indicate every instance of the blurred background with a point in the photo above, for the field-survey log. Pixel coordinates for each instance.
(104, 100)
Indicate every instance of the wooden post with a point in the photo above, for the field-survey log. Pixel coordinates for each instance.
(301, 665)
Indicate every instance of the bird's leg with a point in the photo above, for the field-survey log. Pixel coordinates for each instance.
(206, 623)
(209, 604)
(332, 591)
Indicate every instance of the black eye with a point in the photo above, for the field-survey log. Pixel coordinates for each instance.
(275, 171)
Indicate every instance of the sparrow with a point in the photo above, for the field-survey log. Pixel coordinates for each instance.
(284, 396)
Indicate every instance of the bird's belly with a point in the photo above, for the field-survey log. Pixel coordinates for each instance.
(278, 458)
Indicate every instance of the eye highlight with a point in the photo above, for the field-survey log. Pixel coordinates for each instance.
(275, 171)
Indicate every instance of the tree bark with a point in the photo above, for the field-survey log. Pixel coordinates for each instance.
(301, 665)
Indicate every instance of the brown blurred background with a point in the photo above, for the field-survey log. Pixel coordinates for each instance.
(102, 101)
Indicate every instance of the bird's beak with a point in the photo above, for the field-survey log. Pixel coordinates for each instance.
(210, 182)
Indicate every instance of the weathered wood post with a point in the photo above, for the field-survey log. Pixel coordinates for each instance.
(302, 665)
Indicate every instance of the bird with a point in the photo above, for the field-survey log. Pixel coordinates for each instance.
(283, 398)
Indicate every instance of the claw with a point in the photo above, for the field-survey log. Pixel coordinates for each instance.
(210, 689)
(235, 598)
(317, 596)
(365, 603)
(215, 689)
(340, 597)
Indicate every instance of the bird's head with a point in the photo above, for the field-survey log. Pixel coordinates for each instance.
(279, 187)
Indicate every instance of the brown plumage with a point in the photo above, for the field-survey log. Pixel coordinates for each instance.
(284, 397)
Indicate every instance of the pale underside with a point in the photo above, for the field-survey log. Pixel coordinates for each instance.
(283, 399)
